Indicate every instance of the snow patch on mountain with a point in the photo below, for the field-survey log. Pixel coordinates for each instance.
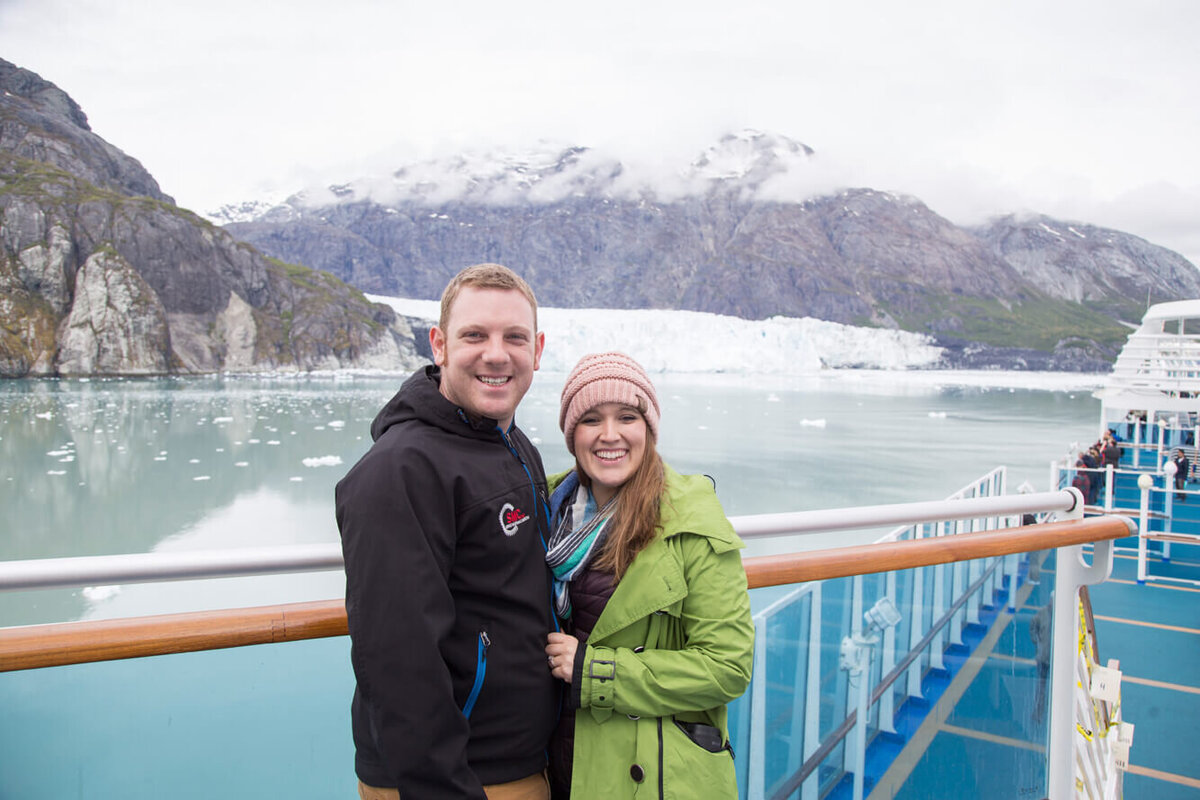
(765, 165)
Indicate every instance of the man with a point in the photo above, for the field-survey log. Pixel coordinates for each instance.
(443, 525)
(1181, 471)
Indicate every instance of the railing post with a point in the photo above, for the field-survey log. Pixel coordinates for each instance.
(887, 661)
(938, 647)
(1071, 573)
(1162, 437)
(916, 626)
(1108, 487)
(1013, 565)
(1168, 506)
(957, 588)
(854, 758)
(1144, 483)
(973, 573)
(1137, 442)
(812, 706)
(860, 727)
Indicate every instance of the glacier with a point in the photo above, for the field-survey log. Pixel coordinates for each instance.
(697, 341)
(694, 342)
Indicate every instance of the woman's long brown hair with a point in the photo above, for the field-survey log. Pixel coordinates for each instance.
(637, 514)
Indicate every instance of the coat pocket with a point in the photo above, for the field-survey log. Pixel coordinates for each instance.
(690, 770)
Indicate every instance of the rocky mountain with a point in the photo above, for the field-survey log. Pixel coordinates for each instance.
(740, 231)
(101, 274)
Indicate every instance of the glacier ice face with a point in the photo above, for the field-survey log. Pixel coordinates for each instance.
(694, 341)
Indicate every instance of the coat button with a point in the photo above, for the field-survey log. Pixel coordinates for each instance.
(637, 773)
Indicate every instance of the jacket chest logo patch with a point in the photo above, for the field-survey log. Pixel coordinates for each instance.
(510, 518)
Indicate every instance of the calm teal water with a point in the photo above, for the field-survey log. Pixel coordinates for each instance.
(105, 467)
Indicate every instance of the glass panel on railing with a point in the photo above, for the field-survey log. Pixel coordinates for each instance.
(928, 590)
(969, 722)
(836, 610)
(990, 743)
(787, 662)
(910, 616)
(876, 602)
(263, 721)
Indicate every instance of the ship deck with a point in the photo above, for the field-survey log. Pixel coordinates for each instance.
(1153, 629)
(950, 736)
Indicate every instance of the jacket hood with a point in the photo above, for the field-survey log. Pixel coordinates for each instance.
(689, 505)
(420, 398)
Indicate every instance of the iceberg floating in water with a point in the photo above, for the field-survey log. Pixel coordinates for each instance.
(98, 593)
(322, 461)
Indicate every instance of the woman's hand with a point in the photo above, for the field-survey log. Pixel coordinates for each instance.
(560, 655)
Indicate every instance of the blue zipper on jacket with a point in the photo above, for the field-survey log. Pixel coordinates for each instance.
(537, 500)
(480, 672)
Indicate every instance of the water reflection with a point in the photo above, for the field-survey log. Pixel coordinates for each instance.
(94, 468)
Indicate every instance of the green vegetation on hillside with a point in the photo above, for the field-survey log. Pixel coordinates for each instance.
(1038, 324)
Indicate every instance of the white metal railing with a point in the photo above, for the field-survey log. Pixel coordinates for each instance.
(191, 565)
(54, 573)
(1156, 490)
(835, 519)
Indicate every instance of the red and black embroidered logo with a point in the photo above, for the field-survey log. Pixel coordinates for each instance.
(510, 518)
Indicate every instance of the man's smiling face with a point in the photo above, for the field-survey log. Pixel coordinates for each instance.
(488, 352)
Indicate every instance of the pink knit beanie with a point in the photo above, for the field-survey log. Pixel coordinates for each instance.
(606, 378)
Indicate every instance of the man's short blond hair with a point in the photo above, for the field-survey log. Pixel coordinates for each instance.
(484, 276)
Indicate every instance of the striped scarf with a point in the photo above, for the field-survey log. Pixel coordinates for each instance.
(574, 544)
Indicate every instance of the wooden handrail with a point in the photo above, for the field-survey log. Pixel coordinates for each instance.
(891, 556)
(36, 646)
(57, 644)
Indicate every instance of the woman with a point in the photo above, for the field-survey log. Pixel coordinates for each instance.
(649, 583)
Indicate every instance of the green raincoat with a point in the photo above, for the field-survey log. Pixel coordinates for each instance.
(674, 644)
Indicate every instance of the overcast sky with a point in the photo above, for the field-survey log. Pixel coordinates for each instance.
(1088, 111)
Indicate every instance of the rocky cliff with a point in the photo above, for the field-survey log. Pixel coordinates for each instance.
(101, 274)
(728, 237)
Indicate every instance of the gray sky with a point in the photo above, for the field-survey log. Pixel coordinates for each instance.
(1088, 111)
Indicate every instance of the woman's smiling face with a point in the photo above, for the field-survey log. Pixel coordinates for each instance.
(610, 443)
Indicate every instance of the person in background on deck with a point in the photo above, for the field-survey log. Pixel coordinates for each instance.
(1181, 471)
(1091, 460)
(650, 585)
(1111, 450)
(443, 525)
(1081, 481)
